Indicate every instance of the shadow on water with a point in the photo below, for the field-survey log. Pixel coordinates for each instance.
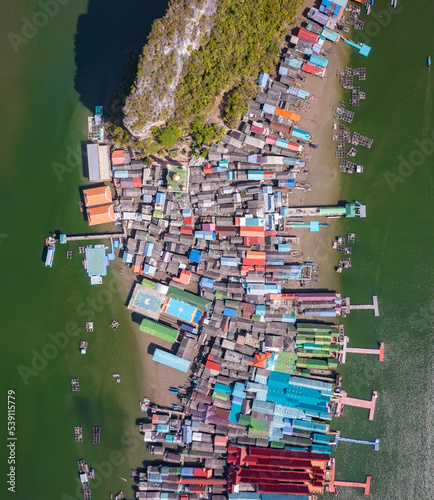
(104, 34)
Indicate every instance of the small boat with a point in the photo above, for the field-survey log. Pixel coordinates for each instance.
(429, 61)
(144, 405)
(50, 243)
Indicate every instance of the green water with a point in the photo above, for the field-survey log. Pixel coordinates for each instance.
(392, 258)
(46, 88)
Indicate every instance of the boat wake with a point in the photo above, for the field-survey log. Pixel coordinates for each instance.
(428, 108)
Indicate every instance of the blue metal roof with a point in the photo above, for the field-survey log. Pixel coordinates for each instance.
(168, 359)
(195, 255)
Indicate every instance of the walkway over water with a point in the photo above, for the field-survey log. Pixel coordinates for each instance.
(64, 238)
(373, 306)
(362, 403)
(351, 484)
(347, 307)
(359, 350)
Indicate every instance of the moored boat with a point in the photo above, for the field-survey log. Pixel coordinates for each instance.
(50, 244)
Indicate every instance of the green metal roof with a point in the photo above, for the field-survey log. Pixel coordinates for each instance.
(314, 327)
(158, 330)
(189, 298)
(350, 210)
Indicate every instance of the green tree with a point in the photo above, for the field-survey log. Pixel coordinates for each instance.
(168, 136)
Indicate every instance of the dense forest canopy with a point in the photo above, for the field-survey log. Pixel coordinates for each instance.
(240, 39)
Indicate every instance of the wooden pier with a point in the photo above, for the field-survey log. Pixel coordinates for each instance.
(96, 236)
(347, 307)
(351, 484)
(375, 444)
(358, 350)
(362, 403)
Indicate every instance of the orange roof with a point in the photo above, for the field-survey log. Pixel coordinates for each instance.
(252, 230)
(220, 440)
(260, 360)
(184, 277)
(100, 215)
(255, 255)
(97, 196)
(118, 157)
(287, 114)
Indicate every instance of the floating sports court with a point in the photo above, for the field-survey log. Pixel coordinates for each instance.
(146, 301)
(183, 311)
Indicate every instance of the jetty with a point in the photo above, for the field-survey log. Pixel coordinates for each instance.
(64, 238)
(375, 444)
(357, 350)
(347, 307)
(352, 484)
(348, 210)
(361, 403)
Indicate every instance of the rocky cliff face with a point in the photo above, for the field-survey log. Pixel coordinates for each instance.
(170, 43)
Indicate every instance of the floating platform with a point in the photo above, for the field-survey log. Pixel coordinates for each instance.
(78, 434)
(85, 475)
(96, 435)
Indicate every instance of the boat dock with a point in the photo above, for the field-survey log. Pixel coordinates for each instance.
(352, 484)
(64, 238)
(362, 403)
(347, 307)
(357, 350)
(375, 444)
(96, 434)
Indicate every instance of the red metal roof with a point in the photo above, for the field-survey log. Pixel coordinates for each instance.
(308, 68)
(257, 130)
(253, 262)
(270, 139)
(308, 35)
(212, 365)
(279, 127)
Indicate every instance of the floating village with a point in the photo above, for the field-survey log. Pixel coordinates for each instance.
(214, 245)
